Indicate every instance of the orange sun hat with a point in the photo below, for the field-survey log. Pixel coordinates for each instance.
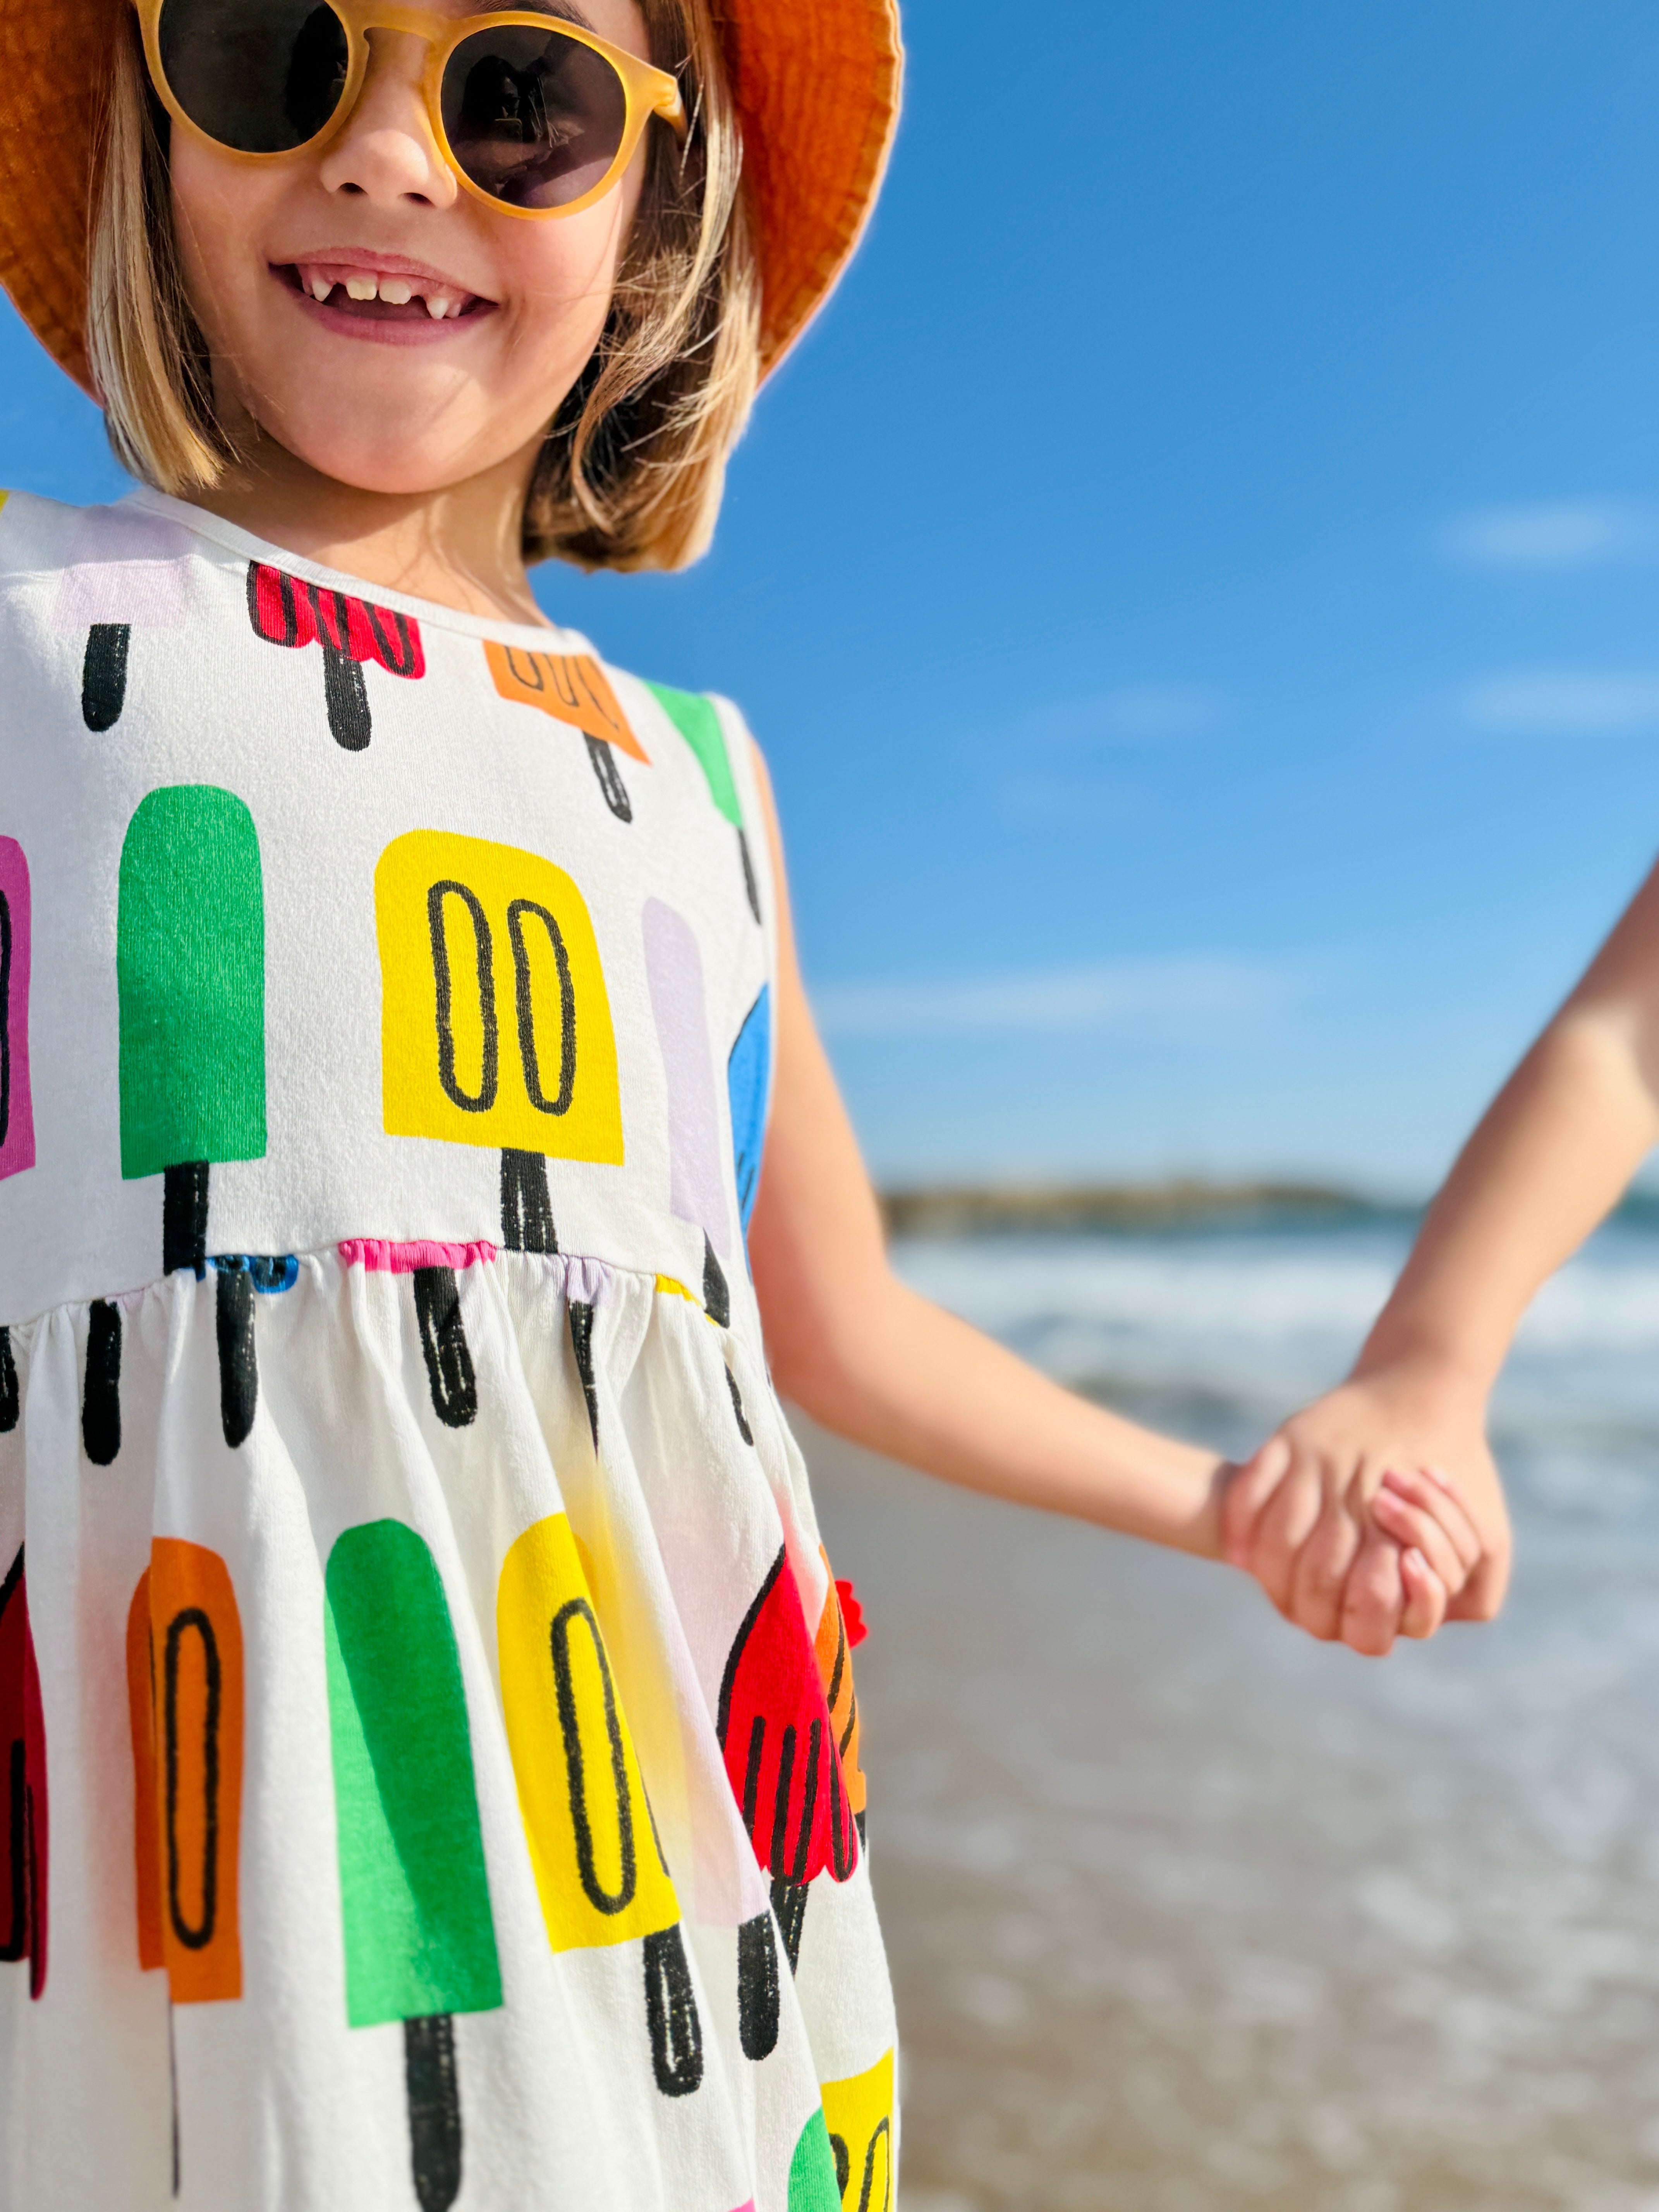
(817, 88)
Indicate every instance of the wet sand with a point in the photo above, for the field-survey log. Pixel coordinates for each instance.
(1188, 1912)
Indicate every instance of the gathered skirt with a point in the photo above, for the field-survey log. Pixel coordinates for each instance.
(448, 1795)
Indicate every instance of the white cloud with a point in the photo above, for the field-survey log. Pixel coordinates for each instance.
(1561, 703)
(1563, 533)
(1176, 993)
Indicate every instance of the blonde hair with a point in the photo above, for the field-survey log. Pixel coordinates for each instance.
(632, 470)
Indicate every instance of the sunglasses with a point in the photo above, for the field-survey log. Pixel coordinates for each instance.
(534, 115)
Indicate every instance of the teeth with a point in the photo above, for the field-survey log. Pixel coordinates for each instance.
(396, 291)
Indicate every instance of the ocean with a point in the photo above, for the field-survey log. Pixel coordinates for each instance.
(1189, 1912)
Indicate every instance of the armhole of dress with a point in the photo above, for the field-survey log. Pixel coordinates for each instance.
(740, 753)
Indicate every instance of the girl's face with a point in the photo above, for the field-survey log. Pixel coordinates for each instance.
(388, 329)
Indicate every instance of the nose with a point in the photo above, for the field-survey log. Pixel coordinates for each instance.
(385, 151)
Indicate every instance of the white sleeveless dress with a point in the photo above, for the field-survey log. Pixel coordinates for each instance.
(428, 1752)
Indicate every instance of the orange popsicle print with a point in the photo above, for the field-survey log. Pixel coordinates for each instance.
(186, 1703)
(573, 689)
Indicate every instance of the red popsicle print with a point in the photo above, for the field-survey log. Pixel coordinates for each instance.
(288, 611)
(23, 1852)
(782, 1756)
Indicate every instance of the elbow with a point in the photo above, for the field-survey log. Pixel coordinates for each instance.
(826, 1354)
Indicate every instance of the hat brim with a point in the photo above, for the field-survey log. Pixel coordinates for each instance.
(817, 88)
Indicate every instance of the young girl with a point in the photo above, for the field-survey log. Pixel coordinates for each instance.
(428, 1750)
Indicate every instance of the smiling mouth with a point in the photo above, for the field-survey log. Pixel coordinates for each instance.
(372, 295)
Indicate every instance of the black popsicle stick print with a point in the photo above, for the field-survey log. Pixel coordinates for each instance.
(581, 1343)
(288, 610)
(434, 2110)
(716, 1297)
(100, 1402)
(744, 1429)
(789, 1902)
(671, 2012)
(346, 695)
(104, 674)
(10, 1400)
(526, 1204)
(173, 2085)
(609, 776)
(443, 1343)
(239, 1364)
(759, 1987)
(748, 882)
(184, 1217)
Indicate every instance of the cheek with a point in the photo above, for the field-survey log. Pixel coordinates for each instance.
(218, 208)
(560, 279)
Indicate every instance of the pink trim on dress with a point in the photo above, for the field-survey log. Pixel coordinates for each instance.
(378, 1256)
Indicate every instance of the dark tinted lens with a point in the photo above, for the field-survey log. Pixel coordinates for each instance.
(260, 76)
(534, 118)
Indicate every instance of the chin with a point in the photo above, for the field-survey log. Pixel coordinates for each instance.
(398, 472)
(383, 445)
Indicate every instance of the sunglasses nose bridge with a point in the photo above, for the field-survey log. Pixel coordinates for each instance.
(386, 143)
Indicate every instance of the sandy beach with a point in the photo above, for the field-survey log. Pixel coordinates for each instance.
(1188, 1912)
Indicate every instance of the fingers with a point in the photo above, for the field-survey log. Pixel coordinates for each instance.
(1482, 1596)
(1433, 1494)
(1321, 1570)
(1245, 1496)
(1287, 1520)
(1374, 1599)
(1426, 1596)
(1411, 1527)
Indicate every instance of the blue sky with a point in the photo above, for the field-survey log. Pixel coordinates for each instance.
(1196, 585)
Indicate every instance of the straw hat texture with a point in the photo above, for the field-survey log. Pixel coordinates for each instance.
(817, 83)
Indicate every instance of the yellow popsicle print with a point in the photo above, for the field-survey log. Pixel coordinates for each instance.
(858, 2113)
(495, 1024)
(598, 1872)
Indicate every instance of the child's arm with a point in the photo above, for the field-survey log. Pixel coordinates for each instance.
(1550, 1159)
(873, 1361)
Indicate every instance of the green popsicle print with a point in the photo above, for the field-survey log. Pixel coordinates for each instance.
(191, 972)
(190, 957)
(695, 719)
(420, 1939)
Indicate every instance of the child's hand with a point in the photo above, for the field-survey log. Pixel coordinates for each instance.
(1349, 1519)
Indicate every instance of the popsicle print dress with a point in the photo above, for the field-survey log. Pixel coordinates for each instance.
(429, 1761)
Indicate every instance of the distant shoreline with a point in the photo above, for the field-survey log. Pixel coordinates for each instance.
(947, 1210)
(972, 1210)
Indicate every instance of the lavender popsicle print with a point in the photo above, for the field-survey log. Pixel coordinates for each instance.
(16, 1104)
(127, 571)
(696, 1187)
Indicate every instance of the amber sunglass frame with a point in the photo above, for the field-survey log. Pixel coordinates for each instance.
(647, 90)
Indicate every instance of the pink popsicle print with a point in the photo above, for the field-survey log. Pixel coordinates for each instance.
(16, 1105)
(696, 1187)
(127, 571)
